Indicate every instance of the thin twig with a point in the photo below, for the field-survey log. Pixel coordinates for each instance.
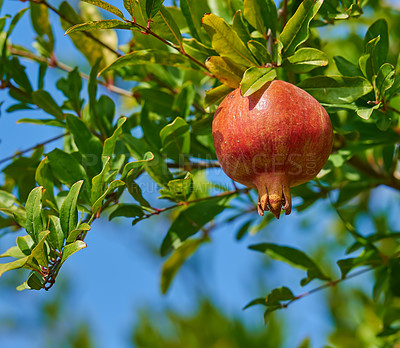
(19, 153)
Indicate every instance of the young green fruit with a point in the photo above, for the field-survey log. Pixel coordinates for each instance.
(277, 138)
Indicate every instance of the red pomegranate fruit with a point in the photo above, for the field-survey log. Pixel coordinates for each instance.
(274, 139)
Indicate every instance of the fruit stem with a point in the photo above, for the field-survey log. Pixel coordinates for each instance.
(273, 194)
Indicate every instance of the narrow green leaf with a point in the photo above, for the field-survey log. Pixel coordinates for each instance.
(68, 170)
(44, 178)
(71, 249)
(305, 60)
(336, 89)
(134, 168)
(17, 71)
(5, 267)
(190, 220)
(176, 260)
(88, 144)
(106, 6)
(56, 236)
(46, 102)
(34, 282)
(98, 181)
(164, 25)
(384, 79)
(225, 72)
(71, 87)
(148, 57)
(33, 209)
(194, 10)
(296, 30)
(240, 27)
(45, 122)
(69, 211)
(83, 227)
(262, 15)
(152, 7)
(109, 144)
(256, 301)
(226, 41)
(378, 28)
(259, 51)
(99, 25)
(255, 78)
(113, 185)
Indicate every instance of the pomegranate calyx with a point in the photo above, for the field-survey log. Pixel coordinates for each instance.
(273, 194)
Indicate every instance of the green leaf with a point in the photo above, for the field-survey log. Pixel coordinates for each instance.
(165, 26)
(176, 260)
(256, 301)
(296, 30)
(336, 89)
(129, 6)
(178, 189)
(134, 168)
(346, 68)
(68, 170)
(113, 185)
(214, 95)
(98, 181)
(69, 211)
(56, 236)
(305, 60)
(384, 80)
(243, 229)
(88, 144)
(175, 139)
(34, 282)
(262, 15)
(46, 102)
(99, 25)
(367, 258)
(71, 88)
(14, 252)
(240, 27)
(109, 144)
(254, 79)
(148, 57)
(71, 249)
(226, 41)
(366, 62)
(106, 6)
(33, 207)
(25, 244)
(293, 257)
(45, 122)
(193, 10)
(378, 29)
(152, 7)
(7, 200)
(190, 220)
(83, 227)
(127, 210)
(44, 178)
(366, 113)
(224, 71)
(17, 71)
(135, 191)
(5, 267)
(260, 52)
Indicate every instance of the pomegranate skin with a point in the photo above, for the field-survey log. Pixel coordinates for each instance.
(274, 139)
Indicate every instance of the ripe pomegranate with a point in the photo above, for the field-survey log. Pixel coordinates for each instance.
(274, 139)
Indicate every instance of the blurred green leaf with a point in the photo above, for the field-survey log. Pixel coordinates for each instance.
(176, 260)
(293, 257)
(214, 95)
(305, 60)
(127, 210)
(296, 30)
(384, 80)
(256, 78)
(378, 29)
(193, 10)
(69, 211)
(71, 88)
(239, 26)
(336, 89)
(262, 15)
(346, 68)
(226, 41)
